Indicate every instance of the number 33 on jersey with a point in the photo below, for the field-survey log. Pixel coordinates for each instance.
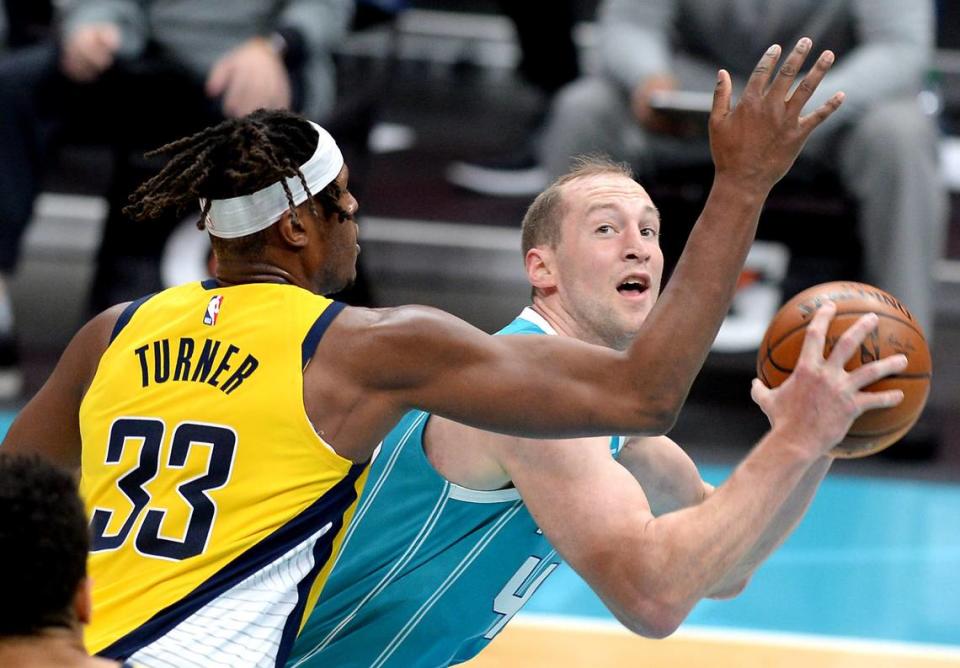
(214, 506)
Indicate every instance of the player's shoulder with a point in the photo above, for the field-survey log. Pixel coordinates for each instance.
(370, 329)
(94, 337)
(395, 317)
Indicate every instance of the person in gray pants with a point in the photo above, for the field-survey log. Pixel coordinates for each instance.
(880, 145)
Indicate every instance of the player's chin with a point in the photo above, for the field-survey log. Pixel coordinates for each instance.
(338, 282)
(635, 314)
(348, 282)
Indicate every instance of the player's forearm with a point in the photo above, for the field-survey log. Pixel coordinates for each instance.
(687, 552)
(782, 524)
(679, 331)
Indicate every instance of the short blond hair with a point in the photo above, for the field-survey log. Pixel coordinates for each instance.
(541, 224)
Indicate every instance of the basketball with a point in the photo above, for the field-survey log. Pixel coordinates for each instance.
(897, 332)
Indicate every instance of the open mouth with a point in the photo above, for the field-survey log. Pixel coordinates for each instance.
(633, 287)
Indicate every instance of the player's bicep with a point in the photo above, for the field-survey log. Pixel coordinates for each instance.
(433, 361)
(589, 507)
(668, 476)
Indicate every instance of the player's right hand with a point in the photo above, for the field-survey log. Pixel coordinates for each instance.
(820, 400)
(757, 141)
(89, 51)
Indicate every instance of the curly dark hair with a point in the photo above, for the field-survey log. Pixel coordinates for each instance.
(44, 541)
(237, 157)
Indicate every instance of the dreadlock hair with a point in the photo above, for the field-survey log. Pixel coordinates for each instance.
(237, 157)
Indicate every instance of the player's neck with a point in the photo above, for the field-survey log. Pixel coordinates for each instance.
(562, 322)
(51, 647)
(231, 271)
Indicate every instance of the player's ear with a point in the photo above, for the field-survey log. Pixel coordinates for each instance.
(539, 263)
(292, 230)
(83, 601)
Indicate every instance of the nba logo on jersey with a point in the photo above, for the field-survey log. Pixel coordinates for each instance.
(213, 310)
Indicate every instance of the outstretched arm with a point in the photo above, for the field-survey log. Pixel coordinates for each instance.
(753, 146)
(642, 390)
(671, 481)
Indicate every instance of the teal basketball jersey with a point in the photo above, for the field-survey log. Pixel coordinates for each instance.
(429, 571)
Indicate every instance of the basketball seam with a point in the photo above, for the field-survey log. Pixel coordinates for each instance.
(768, 357)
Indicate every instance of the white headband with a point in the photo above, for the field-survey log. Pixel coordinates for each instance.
(240, 216)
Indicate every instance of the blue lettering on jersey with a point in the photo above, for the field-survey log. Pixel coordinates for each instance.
(206, 364)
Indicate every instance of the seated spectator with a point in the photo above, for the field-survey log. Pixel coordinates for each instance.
(135, 74)
(880, 145)
(548, 61)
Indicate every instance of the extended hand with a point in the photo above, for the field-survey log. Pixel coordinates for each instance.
(89, 50)
(250, 77)
(757, 141)
(820, 400)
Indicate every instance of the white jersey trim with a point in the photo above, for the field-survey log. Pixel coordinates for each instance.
(452, 578)
(459, 493)
(530, 315)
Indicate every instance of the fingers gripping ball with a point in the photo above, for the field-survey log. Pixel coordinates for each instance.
(897, 332)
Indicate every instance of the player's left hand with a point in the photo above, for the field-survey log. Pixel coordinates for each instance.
(250, 77)
(821, 399)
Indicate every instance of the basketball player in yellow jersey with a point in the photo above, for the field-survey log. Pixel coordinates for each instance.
(224, 427)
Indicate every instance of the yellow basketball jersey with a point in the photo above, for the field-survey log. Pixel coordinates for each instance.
(215, 508)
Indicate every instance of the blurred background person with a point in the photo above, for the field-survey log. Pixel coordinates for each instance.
(132, 75)
(881, 146)
(549, 60)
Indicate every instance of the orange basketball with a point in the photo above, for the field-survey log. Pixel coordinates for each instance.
(897, 332)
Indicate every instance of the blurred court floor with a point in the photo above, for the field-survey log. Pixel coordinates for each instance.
(870, 578)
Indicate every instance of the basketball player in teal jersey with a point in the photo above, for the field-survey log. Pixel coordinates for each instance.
(458, 527)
